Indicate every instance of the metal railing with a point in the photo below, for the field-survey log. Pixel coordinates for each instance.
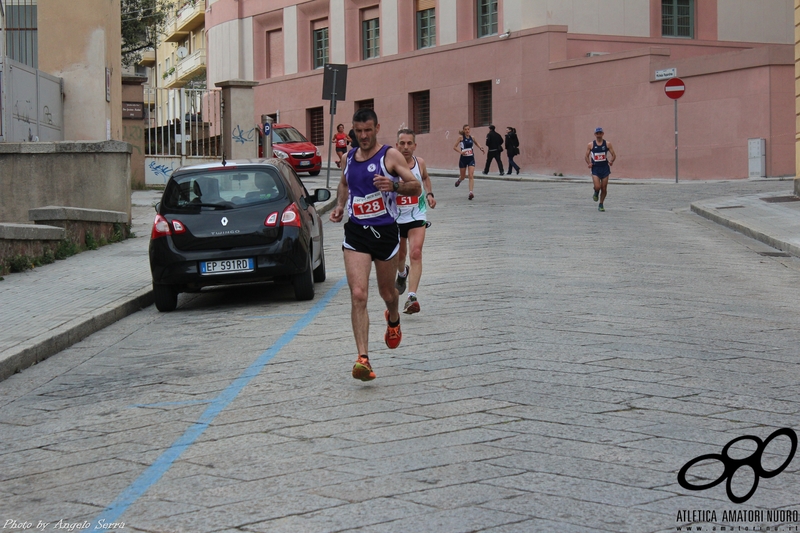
(183, 122)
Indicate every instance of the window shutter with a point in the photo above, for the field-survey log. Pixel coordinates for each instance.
(422, 5)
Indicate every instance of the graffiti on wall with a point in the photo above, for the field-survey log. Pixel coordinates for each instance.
(240, 136)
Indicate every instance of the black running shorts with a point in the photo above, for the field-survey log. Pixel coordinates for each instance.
(410, 225)
(380, 242)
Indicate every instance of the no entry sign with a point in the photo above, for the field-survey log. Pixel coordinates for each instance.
(674, 88)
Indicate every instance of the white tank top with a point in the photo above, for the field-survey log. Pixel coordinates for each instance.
(413, 208)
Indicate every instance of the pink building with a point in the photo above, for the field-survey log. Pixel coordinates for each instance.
(553, 69)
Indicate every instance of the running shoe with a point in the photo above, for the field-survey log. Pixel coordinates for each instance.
(400, 282)
(471, 196)
(601, 208)
(412, 306)
(596, 195)
(362, 369)
(393, 335)
(458, 182)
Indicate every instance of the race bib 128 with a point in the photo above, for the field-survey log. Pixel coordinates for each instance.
(369, 206)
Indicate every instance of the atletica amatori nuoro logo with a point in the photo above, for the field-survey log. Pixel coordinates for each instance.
(731, 465)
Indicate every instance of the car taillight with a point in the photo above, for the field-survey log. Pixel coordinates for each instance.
(272, 220)
(178, 227)
(160, 228)
(290, 216)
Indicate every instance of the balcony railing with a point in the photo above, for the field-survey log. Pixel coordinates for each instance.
(190, 16)
(148, 59)
(192, 65)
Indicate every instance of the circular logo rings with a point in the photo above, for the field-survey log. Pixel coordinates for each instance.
(732, 465)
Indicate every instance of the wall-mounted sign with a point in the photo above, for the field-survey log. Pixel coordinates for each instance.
(134, 110)
(666, 73)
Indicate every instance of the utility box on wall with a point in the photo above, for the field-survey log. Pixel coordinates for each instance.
(757, 158)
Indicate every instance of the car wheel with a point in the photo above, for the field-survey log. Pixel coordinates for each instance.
(304, 281)
(319, 272)
(314, 173)
(166, 297)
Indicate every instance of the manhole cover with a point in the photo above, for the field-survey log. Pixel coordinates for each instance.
(780, 199)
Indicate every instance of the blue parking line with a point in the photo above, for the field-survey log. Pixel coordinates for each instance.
(155, 471)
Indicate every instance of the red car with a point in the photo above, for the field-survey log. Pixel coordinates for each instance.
(290, 145)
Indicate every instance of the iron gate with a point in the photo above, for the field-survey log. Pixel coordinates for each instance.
(184, 127)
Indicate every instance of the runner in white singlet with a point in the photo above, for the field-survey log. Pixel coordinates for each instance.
(412, 222)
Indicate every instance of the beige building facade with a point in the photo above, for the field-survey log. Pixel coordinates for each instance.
(79, 41)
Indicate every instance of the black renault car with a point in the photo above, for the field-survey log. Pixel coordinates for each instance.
(235, 222)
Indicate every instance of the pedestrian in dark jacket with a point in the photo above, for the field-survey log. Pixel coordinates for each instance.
(494, 146)
(512, 148)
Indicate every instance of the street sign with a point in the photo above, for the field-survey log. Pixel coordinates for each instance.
(666, 74)
(266, 129)
(674, 88)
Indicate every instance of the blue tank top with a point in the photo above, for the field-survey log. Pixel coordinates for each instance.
(467, 144)
(599, 154)
(366, 205)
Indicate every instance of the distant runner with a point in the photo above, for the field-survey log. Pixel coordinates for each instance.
(598, 160)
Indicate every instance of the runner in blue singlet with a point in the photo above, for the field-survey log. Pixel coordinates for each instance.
(372, 178)
(598, 160)
(466, 161)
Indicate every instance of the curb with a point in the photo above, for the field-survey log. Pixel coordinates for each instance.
(713, 215)
(40, 348)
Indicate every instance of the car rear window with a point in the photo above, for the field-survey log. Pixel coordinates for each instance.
(224, 189)
(287, 135)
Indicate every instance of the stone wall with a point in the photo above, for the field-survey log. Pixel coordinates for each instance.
(90, 175)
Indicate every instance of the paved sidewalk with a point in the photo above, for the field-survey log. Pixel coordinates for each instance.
(50, 308)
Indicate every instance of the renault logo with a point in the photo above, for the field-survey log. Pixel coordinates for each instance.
(224, 221)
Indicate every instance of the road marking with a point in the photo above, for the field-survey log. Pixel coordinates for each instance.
(155, 471)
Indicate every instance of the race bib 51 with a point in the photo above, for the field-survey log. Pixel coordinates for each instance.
(405, 201)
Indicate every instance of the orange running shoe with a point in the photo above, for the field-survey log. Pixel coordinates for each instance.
(362, 369)
(393, 335)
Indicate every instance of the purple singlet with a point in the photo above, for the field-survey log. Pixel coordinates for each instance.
(367, 205)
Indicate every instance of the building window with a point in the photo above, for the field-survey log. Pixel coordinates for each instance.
(21, 32)
(370, 37)
(320, 47)
(677, 18)
(370, 104)
(426, 23)
(487, 17)
(421, 112)
(481, 103)
(316, 126)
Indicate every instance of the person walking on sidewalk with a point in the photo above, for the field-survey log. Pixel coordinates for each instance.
(466, 161)
(597, 158)
(512, 149)
(373, 175)
(412, 222)
(494, 144)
